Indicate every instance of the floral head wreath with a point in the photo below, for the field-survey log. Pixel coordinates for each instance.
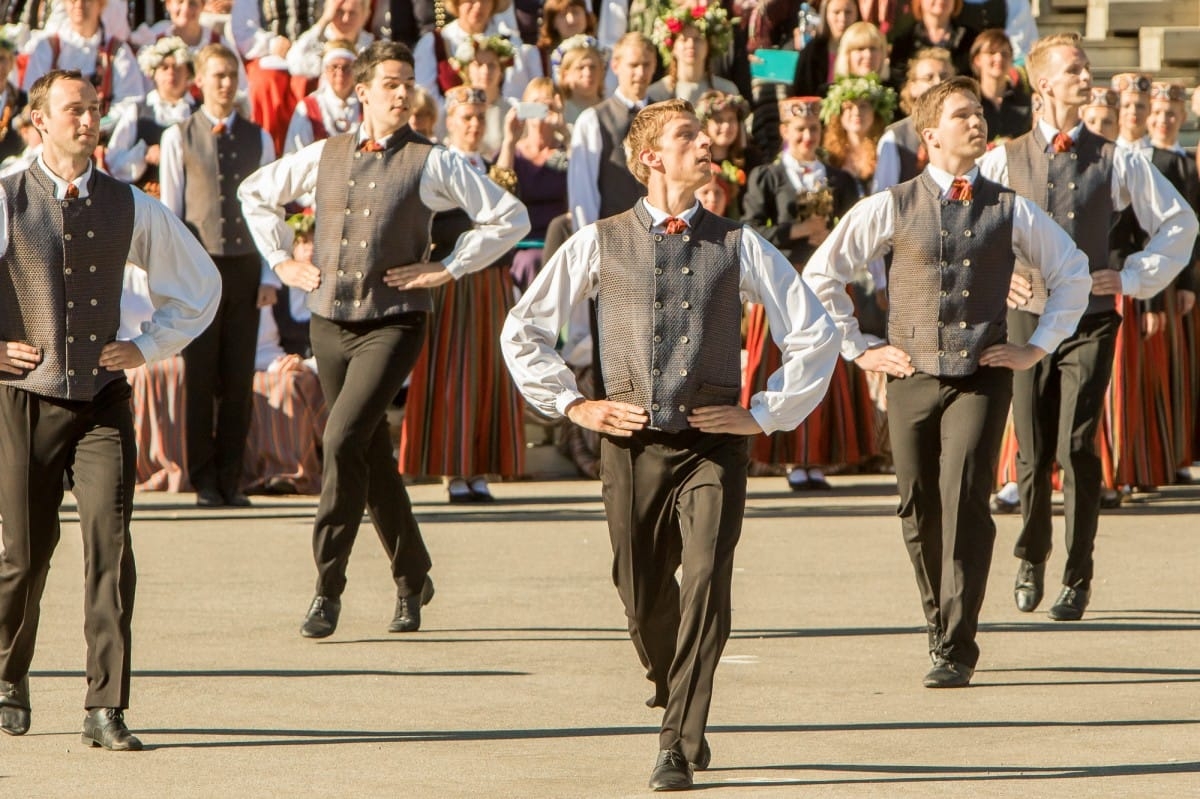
(464, 95)
(712, 103)
(711, 20)
(579, 41)
(152, 55)
(799, 107)
(1103, 97)
(302, 224)
(727, 179)
(1171, 92)
(853, 89)
(467, 49)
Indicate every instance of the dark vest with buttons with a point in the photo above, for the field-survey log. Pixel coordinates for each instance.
(369, 218)
(619, 189)
(951, 266)
(62, 277)
(1074, 188)
(213, 168)
(669, 312)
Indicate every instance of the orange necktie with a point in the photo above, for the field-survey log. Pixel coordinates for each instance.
(370, 146)
(72, 191)
(219, 129)
(960, 189)
(675, 225)
(1062, 142)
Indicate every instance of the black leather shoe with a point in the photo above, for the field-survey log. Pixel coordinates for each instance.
(14, 706)
(1030, 586)
(701, 763)
(948, 674)
(671, 772)
(209, 498)
(237, 500)
(408, 610)
(322, 617)
(105, 726)
(1071, 604)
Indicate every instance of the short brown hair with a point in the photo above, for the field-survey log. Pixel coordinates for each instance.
(210, 51)
(633, 38)
(927, 109)
(647, 130)
(39, 92)
(1039, 55)
(377, 53)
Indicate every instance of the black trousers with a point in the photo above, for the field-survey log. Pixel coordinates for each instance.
(676, 499)
(946, 434)
(1056, 412)
(41, 440)
(362, 367)
(219, 379)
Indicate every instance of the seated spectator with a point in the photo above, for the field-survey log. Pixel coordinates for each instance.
(814, 67)
(855, 112)
(578, 66)
(83, 44)
(901, 153)
(562, 20)
(12, 102)
(32, 141)
(1100, 114)
(333, 108)
(1133, 110)
(936, 26)
(688, 37)
(861, 52)
(482, 62)
(341, 20)
(1007, 103)
(133, 149)
(426, 116)
(724, 119)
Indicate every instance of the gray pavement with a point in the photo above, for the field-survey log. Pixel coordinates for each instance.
(523, 682)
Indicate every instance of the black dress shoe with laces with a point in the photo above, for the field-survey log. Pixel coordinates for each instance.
(408, 610)
(948, 674)
(671, 772)
(322, 617)
(1030, 586)
(1071, 604)
(14, 706)
(105, 726)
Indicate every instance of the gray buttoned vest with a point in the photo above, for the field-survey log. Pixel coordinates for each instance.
(369, 218)
(950, 272)
(1074, 188)
(62, 273)
(619, 189)
(213, 168)
(669, 312)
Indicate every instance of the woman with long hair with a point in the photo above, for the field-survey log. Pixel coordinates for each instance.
(578, 66)
(815, 66)
(688, 37)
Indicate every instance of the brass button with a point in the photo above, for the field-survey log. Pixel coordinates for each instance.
(366, 212)
(67, 271)
(945, 263)
(962, 353)
(657, 270)
(1049, 185)
(337, 302)
(655, 372)
(1070, 214)
(1074, 156)
(341, 272)
(347, 213)
(66, 237)
(363, 244)
(70, 303)
(92, 268)
(683, 372)
(657, 339)
(966, 293)
(91, 235)
(359, 155)
(70, 339)
(941, 323)
(686, 270)
(658, 237)
(344, 242)
(358, 275)
(962, 325)
(945, 233)
(654, 406)
(941, 353)
(93, 301)
(685, 305)
(357, 303)
(687, 238)
(92, 337)
(658, 305)
(944, 294)
(351, 181)
(684, 339)
(683, 409)
(967, 233)
(945, 202)
(1050, 214)
(371, 185)
(966, 261)
(70, 372)
(95, 372)
(1071, 185)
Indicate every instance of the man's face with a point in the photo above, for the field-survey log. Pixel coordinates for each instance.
(218, 82)
(1100, 120)
(1165, 120)
(683, 151)
(961, 132)
(349, 14)
(1131, 119)
(465, 125)
(1068, 77)
(927, 73)
(474, 15)
(802, 135)
(84, 13)
(385, 99)
(184, 12)
(70, 123)
(339, 74)
(634, 68)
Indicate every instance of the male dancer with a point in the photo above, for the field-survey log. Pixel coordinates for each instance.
(669, 278)
(370, 303)
(66, 232)
(1080, 180)
(950, 368)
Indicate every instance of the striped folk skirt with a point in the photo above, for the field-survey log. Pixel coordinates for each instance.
(464, 415)
(843, 429)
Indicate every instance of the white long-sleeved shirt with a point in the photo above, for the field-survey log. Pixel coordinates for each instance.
(583, 165)
(79, 52)
(446, 182)
(803, 331)
(868, 229)
(1160, 209)
(125, 156)
(185, 286)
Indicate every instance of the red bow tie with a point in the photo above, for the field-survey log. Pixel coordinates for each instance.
(219, 128)
(1062, 142)
(72, 191)
(960, 189)
(675, 225)
(370, 146)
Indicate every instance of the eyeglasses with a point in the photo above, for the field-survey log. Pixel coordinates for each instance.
(339, 67)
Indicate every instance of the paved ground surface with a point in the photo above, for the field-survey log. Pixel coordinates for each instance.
(523, 682)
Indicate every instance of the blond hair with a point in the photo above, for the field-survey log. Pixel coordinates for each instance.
(210, 51)
(1038, 59)
(858, 36)
(646, 133)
